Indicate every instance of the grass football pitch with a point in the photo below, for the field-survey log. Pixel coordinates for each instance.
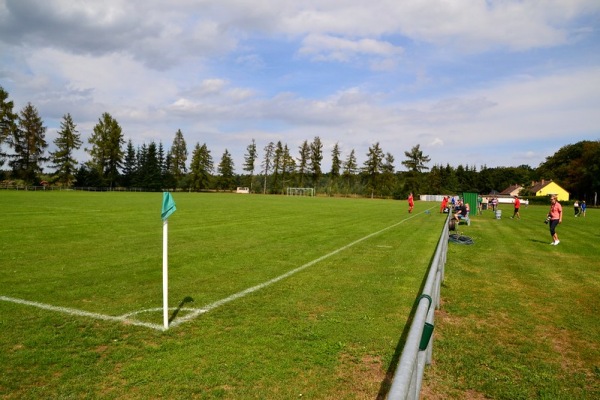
(287, 297)
(270, 297)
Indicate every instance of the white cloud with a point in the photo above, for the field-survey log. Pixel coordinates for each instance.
(348, 71)
(329, 48)
(163, 34)
(436, 142)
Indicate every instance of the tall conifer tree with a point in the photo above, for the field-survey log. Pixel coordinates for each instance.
(66, 143)
(107, 148)
(28, 141)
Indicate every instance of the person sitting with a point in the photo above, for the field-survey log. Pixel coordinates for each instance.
(458, 209)
(461, 211)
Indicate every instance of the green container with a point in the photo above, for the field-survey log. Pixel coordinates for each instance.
(471, 198)
(426, 336)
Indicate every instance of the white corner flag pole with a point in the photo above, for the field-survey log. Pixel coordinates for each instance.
(166, 274)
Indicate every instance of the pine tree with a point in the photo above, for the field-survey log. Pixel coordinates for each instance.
(66, 143)
(387, 174)
(249, 160)
(161, 159)
(7, 121)
(141, 155)
(316, 157)
(153, 176)
(336, 163)
(303, 161)
(179, 156)
(267, 163)
(288, 166)
(416, 161)
(336, 167)
(226, 172)
(350, 168)
(129, 165)
(107, 151)
(277, 166)
(373, 167)
(201, 168)
(29, 143)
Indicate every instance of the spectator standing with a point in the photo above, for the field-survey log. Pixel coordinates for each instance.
(555, 215)
(576, 207)
(583, 207)
(494, 204)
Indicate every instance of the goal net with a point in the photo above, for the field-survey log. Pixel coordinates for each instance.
(300, 191)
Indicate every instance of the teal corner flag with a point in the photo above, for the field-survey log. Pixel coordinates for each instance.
(168, 205)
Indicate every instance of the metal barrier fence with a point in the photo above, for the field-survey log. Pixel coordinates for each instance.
(417, 351)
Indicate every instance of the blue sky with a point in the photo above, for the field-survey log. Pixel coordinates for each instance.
(495, 83)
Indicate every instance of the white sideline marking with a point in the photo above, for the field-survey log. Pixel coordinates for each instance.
(194, 312)
(253, 289)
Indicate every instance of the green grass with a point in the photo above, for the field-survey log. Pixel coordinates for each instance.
(330, 331)
(519, 318)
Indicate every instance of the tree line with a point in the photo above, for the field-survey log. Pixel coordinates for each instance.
(114, 162)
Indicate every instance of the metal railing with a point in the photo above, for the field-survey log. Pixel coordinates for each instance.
(417, 351)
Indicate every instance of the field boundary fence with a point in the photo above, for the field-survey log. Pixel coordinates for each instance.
(41, 188)
(417, 351)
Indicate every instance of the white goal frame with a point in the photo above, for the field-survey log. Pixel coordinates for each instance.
(297, 191)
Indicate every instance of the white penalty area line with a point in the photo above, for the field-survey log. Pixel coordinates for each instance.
(194, 312)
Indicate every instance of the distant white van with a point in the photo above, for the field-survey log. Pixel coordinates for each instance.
(242, 190)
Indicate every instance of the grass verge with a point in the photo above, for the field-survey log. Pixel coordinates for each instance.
(519, 318)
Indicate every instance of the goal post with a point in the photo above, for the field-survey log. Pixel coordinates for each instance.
(295, 191)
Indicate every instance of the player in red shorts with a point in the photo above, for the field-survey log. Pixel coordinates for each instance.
(517, 203)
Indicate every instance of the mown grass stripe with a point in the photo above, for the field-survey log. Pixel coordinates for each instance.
(198, 311)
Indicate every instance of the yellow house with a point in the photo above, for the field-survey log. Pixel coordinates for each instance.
(546, 188)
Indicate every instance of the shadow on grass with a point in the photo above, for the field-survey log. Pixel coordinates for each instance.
(540, 241)
(386, 384)
(185, 300)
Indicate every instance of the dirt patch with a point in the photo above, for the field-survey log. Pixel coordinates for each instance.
(361, 377)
